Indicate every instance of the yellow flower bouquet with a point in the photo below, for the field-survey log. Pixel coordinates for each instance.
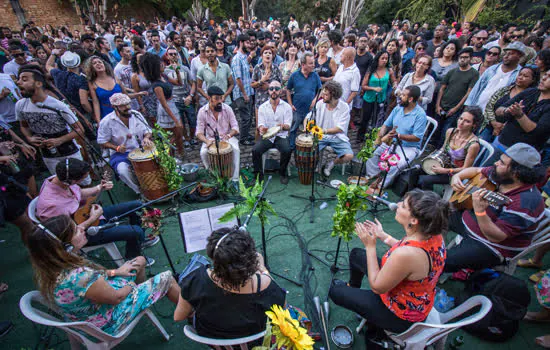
(287, 331)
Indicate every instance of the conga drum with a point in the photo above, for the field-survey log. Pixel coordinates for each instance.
(305, 157)
(438, 158)
(149, 173)
(225, 157)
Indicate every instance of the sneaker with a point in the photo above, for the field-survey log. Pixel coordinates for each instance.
(150, 241)
(284, 179)
(5, 327)
(150, 261)
(247, 143)
(328, 168)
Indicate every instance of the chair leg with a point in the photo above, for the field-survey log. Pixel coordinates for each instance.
(361, 325)
(114, 253)
(74, 342)
(157, 324)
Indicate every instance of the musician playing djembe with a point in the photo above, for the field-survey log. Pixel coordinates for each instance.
(491, 233)
(122, 131)
(61, 195)
(461, 148)
(218, 118)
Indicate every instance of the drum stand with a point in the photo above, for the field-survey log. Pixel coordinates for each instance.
(217, 143)
(117, 218)
(264, 244)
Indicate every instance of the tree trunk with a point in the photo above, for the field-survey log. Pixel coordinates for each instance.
(251, 8)
(245, 9)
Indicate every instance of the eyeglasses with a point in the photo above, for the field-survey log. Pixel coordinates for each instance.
(18, 54)
(274, 88)
(492, 53)
(172, 54)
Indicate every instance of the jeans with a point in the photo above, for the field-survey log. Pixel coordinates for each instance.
(368, 117)
(263, 146)
(365, 302)
(243, 113)
(470, 253)
(297, 120)
(187, 112)
(445, 124)
(133, 233)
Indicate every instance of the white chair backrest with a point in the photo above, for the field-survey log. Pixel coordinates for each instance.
(31, 211)
(433, 123)
(191, 333)
(486, 151)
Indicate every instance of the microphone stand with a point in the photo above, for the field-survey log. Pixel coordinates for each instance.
(264, 244)
(118, 217)
(312, 198)
(217, 143)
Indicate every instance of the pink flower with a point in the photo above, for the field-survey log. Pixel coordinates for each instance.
(383, 166)
(65, 296)
(385, 155)
(150, 225)
(98, 321)
(394, 159)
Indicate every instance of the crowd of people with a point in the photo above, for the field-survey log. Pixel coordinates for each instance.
(235, 81)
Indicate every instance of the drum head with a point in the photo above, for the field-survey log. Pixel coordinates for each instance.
(138, 155)
(225, 147)
(271, 132)
(430, 162)
(304, 140)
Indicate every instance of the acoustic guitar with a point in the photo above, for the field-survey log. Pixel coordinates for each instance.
(83, 213)
(463, 200)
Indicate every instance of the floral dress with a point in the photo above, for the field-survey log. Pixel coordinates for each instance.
(257, 74)
(542, 289)
(72, 285)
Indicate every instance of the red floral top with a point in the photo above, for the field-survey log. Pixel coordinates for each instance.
(413, 300)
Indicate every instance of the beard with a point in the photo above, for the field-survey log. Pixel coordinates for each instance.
(463, 64)
(218, 107)
(27, 92)
(404, 103)
(502, 179)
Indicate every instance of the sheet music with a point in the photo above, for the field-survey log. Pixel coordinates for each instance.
(197, 225)
(217, 212)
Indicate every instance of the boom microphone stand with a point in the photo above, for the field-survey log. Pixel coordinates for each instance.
(264, 244)
(168, 195)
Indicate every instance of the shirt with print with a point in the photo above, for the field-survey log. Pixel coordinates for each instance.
(44, 121)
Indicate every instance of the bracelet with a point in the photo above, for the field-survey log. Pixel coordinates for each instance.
(111, 273)
(482, 213)
(387, 239)
(451, 171)
(117, 148)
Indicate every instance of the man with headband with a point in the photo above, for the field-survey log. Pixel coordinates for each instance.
(122, 131)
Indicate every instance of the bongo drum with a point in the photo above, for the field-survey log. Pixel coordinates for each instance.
(305, 158)
(226, 157)
(149, 173)
(438, 158)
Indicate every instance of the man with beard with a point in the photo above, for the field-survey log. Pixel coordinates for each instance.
(242, 103)
(455, 88)
(44, 128)
(332, 115)
(118, 131)
(505, 37)
(19, 58)
(217, 118)
(479, 38)
(438, 40)
(492, 234)
(214, 73)
(175, 39)
(274, 112)
(402, 132)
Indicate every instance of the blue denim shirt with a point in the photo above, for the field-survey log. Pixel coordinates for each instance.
(241, 70)
(412, 123)
(484, 80)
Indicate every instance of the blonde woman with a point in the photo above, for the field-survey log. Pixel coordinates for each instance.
(325, 66)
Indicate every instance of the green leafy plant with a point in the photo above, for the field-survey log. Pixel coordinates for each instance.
(166, 161)
(250, 195)
(350, 200)
(368, 148)
(224, 185)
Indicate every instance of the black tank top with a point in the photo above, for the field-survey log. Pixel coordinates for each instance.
(323, 70)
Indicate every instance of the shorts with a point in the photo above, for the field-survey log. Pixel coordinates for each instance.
(340, 147)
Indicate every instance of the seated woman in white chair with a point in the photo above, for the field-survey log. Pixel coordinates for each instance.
(402, 285)
(229, 299)
(85, 291)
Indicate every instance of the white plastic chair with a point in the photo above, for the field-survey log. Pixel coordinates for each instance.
(111, 247)
(217, 344)
(272, 152)
(436, 329)
(75, 330)
(433, 123)
(486, 151)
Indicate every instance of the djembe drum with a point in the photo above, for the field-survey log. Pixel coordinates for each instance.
(305, 157)
(149, 173)
(438, 158)
(225, 158)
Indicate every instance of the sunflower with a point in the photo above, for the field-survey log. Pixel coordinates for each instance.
(287, 330)
(316, 129)
(319, 135)
(310, 124)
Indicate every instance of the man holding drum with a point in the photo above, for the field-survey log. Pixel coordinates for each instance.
(274, 120)
(217, 118)
(122, 131)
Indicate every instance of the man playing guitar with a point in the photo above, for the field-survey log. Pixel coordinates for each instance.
(493, 234)
(61, 195)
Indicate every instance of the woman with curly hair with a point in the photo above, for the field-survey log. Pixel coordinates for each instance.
(85, 291)
(229, 298)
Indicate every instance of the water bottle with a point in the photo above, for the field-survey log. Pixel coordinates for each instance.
(323, 205)
(443, 302)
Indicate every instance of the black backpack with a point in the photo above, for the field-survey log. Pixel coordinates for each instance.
(510, 297)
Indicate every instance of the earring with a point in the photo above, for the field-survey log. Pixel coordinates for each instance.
(409, 225)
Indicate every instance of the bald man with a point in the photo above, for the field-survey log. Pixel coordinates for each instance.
(348, 76)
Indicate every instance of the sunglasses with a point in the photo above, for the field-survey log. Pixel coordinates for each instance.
(481, 38)
(492, 53)
(276, 37)
(172, 54)
(219, 43)
(274, 88)
(18, 54)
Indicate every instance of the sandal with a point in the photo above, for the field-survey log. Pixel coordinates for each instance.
(529, 263)
(543, 341)
(535, 278)
(538, 317)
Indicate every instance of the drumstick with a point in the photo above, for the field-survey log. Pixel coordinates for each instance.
(317, 303)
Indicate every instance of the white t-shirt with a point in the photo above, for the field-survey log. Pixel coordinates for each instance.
(327, 119)
(123, 72)
(350, 79)
(44, 121)
(498, 81)
(112, 129)
(330, 53)
(7, 105)
(269, 118)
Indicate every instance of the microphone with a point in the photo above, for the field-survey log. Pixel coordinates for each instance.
(391, 205)
(94, 230)
(139, 143)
